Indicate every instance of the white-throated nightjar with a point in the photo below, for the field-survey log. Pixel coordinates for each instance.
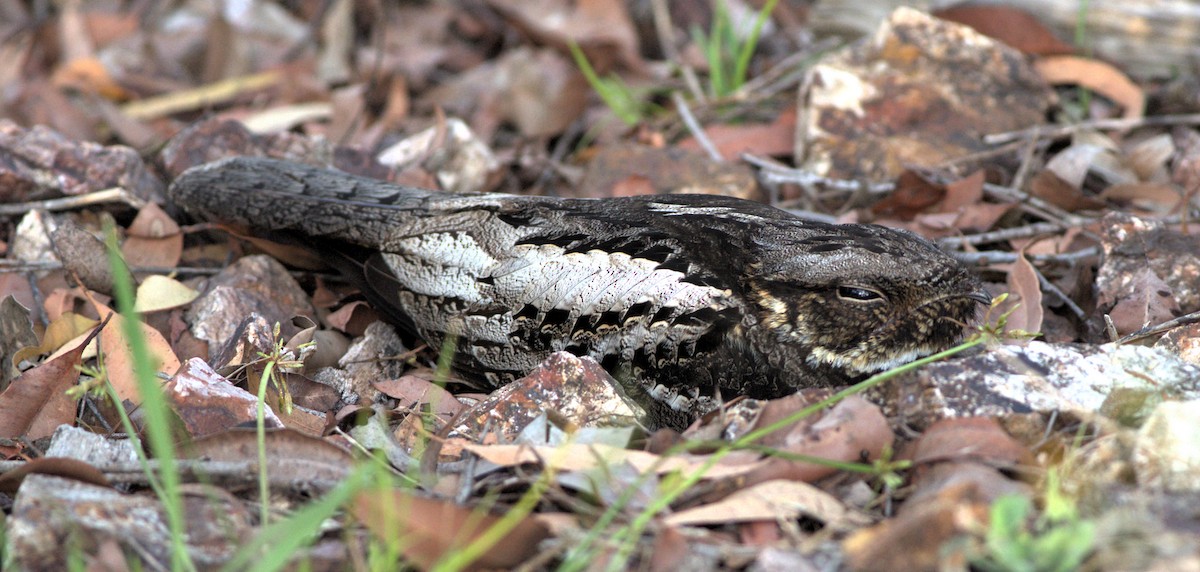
(684, 298)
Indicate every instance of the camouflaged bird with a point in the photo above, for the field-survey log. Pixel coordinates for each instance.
(684, 298)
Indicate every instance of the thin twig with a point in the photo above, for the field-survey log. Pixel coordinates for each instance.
(694, 127)
(1026, 231)
(777, 173)
(1050, 287)
(1154, 330)
(113, 195)
(990, 258)
(1098, 124)
(1044, 209)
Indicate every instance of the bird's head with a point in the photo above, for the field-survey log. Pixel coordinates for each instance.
(862, 298)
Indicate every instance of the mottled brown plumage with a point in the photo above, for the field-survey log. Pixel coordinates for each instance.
(682, 297)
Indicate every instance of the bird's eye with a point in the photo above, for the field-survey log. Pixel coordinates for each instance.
(858, 293)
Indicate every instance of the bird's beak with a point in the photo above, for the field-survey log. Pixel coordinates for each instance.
(982, 296)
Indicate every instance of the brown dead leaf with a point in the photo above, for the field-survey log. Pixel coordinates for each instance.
(1026, 290)
(85, 257)
(61, 331)
(1152, 199)
(1149, 157)
(964, 192)
(979, 439)
(153, 239)
(35, 404)
(16, 335)
(353, 318)
(1097, 76)
(917, 539)
(913, 195)
(118, 357)
(579, 457)
(670, 550)
(18, 286)
(430, 529)
(413, 391)
(766, 139)
(664, 171)
(1186, 168)
(853, 430)
(775, 500)
(90, 76)
(1048, 186)
(57, 466)
(543, 92)
(1150, 300)
(1010, 25)
(62, 299)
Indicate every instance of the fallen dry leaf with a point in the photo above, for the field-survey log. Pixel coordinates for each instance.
(1026, 290)
(776, 500)
(58, 466)
(152, 239)
(1010, 25)
(118, 357)
(429, 530)
(35, 403)
(853, 430)
(1150, 301)
(971, 438)
(775, 139)
(62, 330)
(1097, 76)
(577, 457)
(1050, 187)
(157, 293)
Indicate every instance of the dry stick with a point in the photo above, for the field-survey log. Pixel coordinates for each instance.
(1099, 124)
(113, 195)
(1026, 231)
(694, 127)
(992, 257)
(777, 173)
(1148, 331)
(1026, 160)
(1062, 296)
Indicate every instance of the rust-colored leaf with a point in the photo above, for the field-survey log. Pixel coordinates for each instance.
(1097, 76)
(118, 357)
(35, 403)
(57, 466)
(153, 239)
(970, 438)
(912, 196)
(851, 431)
(1027, 290)
(429, 529)
(1010, 25)
(1048, 186)
(777, 138)
(353, 318)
